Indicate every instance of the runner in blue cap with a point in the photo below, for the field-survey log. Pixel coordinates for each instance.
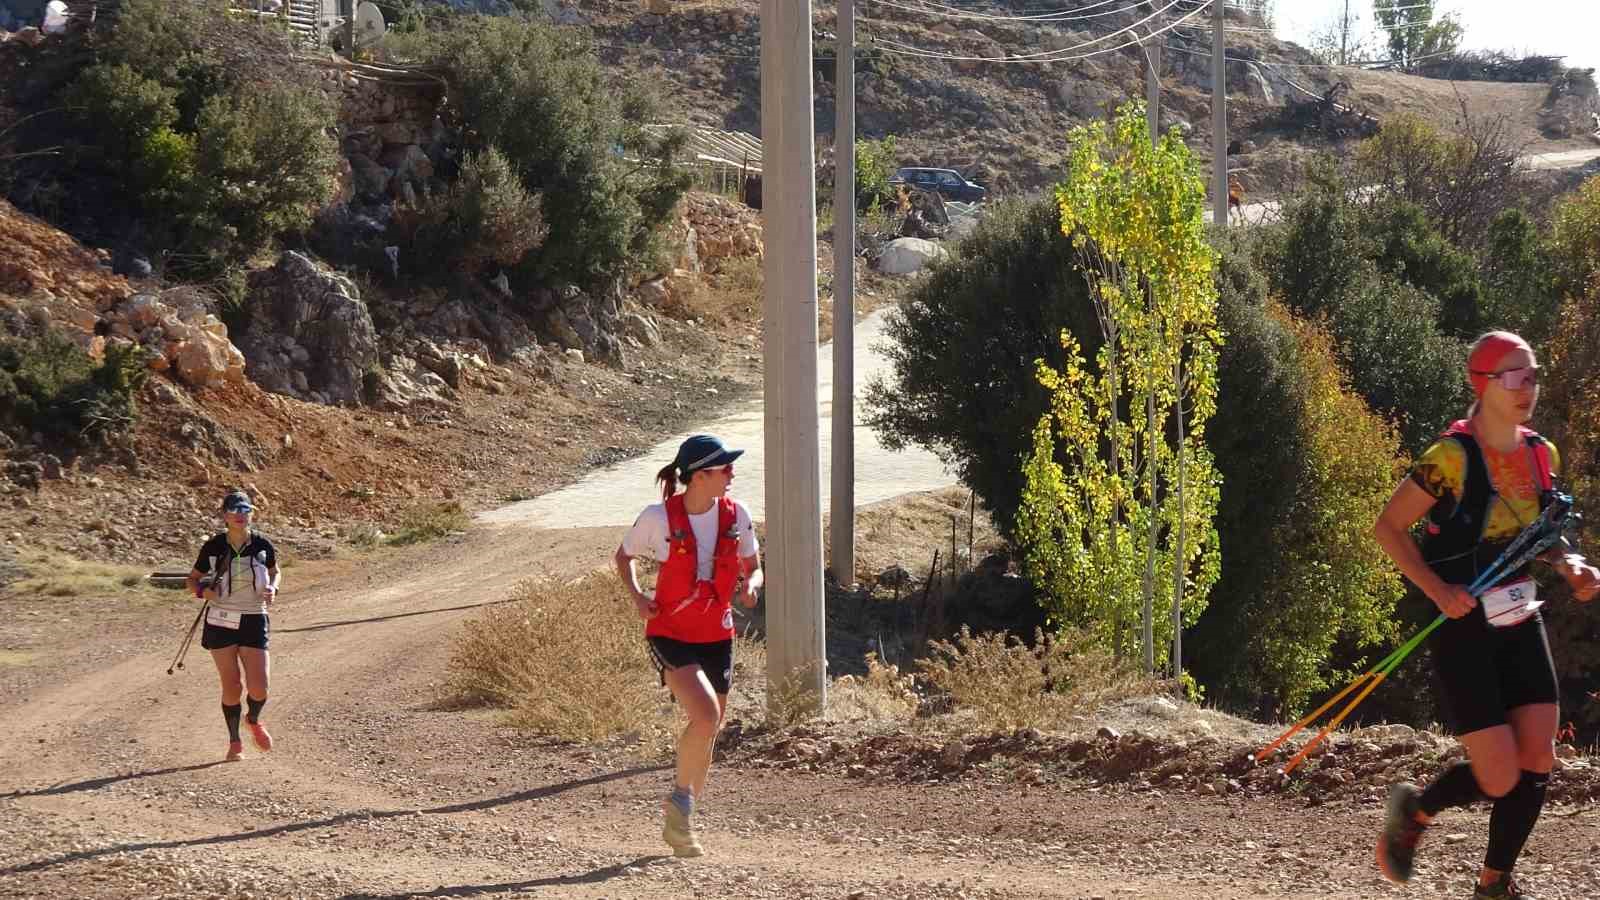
(707, 548)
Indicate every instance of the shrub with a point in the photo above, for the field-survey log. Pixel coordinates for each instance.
(1005, 684)
(429, 521)
(563, 659)
(264, 162)
(1327, 262)
(1575, 240)
(50, 386)
(1460, 181)
(963, 344)
(1519, 290)
(536, 94)
(120, 111)
(485, 218)
(1305, 468)
(875, 162)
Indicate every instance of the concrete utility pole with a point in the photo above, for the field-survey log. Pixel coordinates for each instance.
(795, 638)
(842, 496)
(1219, 113)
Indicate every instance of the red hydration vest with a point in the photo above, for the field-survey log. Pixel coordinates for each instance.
(691, 610)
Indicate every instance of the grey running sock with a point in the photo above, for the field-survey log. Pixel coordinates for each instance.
(1513, 819)
(254, 715)
(1456, 787)
(683, 799)
(230, 714)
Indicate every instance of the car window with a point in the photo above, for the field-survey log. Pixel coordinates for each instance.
(949, 178)
(925, 176)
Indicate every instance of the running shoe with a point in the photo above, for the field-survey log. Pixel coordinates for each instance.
(259, 736)
(1504, 889)
(235, 751)
(678, 832)
(1397, 845)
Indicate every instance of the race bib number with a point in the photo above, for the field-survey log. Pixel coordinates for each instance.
(223, 618)
(1511, 604)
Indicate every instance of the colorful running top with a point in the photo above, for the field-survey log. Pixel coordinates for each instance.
(1442, 468)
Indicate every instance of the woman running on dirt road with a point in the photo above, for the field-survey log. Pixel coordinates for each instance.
(1481, 484)
(708, 553)
(236, 574)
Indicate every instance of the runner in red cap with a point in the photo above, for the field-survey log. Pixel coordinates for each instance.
(1485, 480)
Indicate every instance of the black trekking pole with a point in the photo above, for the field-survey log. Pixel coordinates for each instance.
(183, 648)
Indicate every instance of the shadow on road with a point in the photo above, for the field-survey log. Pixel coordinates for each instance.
(93, 784)
(594, 876)
(531, 794)
(323, 626)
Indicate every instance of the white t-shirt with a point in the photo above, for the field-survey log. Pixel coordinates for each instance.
(649, 535)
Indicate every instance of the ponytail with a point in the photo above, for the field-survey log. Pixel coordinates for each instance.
(668, 479)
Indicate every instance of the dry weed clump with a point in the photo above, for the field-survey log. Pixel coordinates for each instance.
(430, 521)
(566, 659)
(1005, 684)
(884, 694)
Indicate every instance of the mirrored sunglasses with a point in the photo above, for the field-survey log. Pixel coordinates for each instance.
(1517, 379)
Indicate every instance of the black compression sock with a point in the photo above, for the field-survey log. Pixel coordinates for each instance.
(230, 714)
(255, 708)
(1513, 819)
(1456, 787)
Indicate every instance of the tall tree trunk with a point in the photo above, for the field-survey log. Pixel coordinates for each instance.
(1183, 527)
(1150, 550)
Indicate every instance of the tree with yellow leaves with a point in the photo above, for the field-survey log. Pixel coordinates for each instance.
(1120, 479)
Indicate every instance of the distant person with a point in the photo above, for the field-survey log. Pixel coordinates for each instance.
(707, 548)
(236, 574)
(1480, 485)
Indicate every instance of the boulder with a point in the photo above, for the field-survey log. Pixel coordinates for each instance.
(904, 256)
(321, 311)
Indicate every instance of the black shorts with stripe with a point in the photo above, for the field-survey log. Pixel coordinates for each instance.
(253, 631)
(714, 658)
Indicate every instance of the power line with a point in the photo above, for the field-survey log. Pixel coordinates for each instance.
(956, 13)
(1058, 55)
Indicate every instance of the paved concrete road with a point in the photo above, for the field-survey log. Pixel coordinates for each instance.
(614, 495)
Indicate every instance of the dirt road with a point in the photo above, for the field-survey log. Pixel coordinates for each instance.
(110, 784)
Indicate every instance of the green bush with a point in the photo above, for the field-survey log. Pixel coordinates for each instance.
(875, 162)
(1305, 467)
(537, 94)
(1411, 250)
(486, 217)
(1519, 292)
(962, 379)
(1575, 240)
(1332, 259)
(264, 162)
(48, 385)
(120, 110)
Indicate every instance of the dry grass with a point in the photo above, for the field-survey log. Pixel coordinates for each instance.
(430, 521)
(906, 530)
(883, 695)
(566, 659)
(56, 575)
(1004, 684)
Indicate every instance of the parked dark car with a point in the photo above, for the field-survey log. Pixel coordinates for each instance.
(946, 182)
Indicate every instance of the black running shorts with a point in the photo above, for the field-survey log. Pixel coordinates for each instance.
(715, 659)
(1483, 671)
(253, 631)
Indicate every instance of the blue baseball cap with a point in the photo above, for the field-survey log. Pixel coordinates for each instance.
(703, 451)
(237, 501)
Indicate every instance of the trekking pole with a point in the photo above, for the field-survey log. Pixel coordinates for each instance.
(1535, 539)
(188, 638)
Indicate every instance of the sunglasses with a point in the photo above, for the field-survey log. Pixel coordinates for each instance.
(1516, 379)
(723, 470)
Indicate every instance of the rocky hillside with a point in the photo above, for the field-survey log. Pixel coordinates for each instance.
(1006, 122)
